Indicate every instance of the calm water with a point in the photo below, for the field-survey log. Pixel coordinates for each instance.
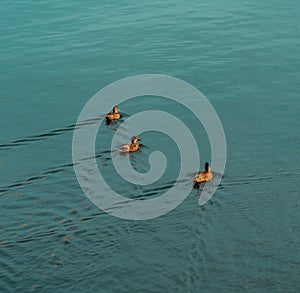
(243, 55)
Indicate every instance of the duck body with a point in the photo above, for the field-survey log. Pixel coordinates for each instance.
(113, 115)
(203, 177)
(131, 147)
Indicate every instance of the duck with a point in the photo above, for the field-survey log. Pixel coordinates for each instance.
(203, 176)
(113, 115)
(131, 147)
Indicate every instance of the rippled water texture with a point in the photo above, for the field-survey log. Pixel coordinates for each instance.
(242, 55)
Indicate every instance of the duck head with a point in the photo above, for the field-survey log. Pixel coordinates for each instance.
(134, 139)
(207, 167)
(115, 109)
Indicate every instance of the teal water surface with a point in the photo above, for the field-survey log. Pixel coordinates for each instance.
(242, 55)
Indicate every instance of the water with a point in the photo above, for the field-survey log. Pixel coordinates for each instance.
(243, 55)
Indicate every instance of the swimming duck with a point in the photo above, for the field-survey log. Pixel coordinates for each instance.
(131, 147)
(203, 176)
(113, 115)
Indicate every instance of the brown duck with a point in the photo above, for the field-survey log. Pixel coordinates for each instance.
(131, 147)
(203, 176)
(113, 115)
